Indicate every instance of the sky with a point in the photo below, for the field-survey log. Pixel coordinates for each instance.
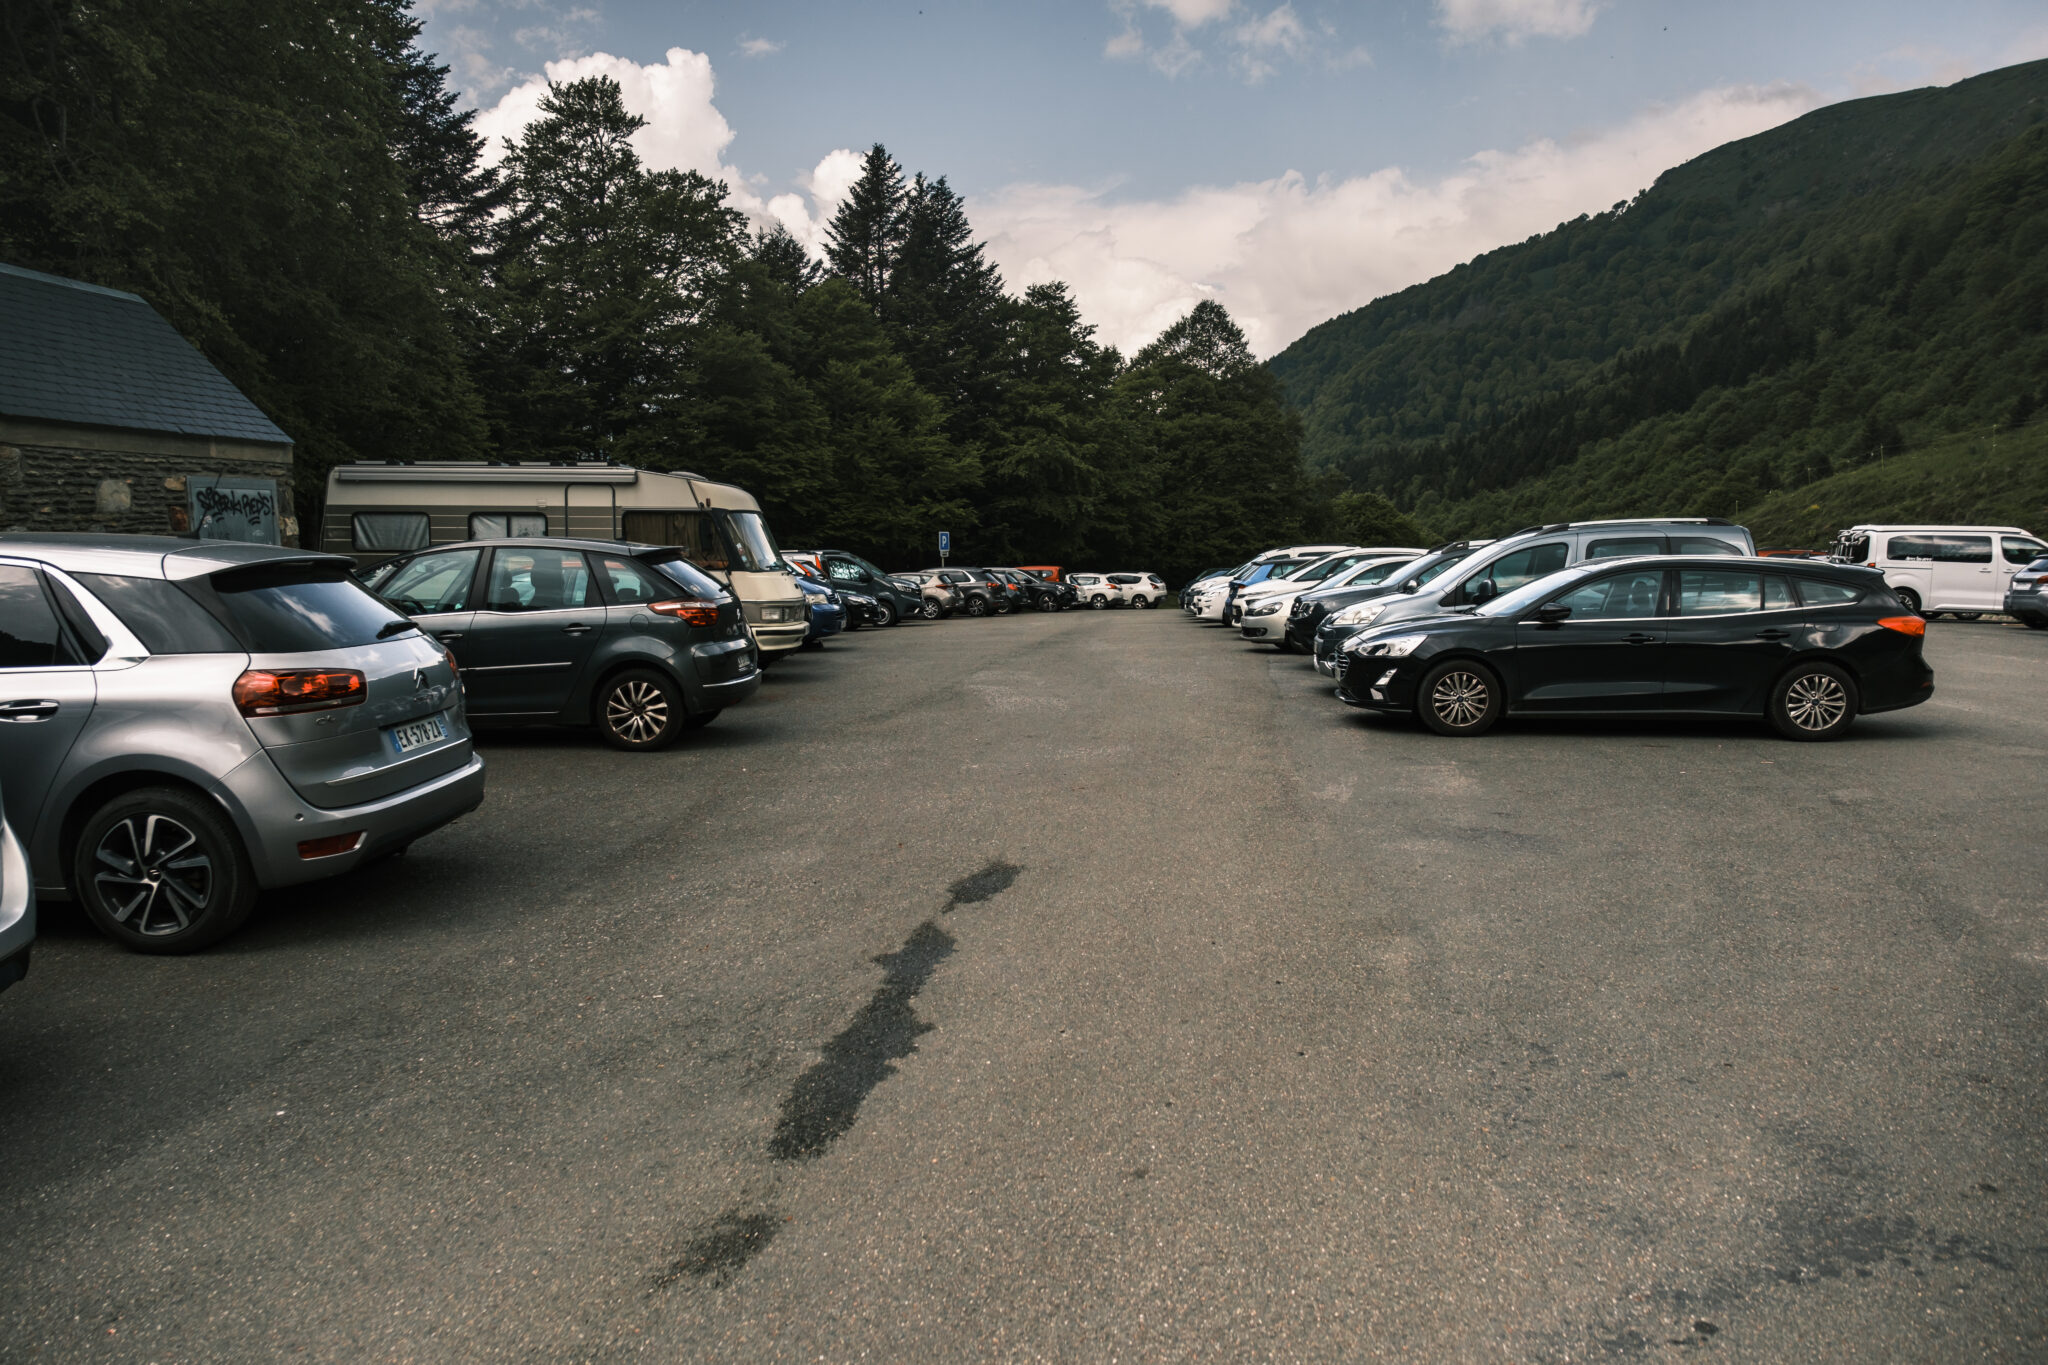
(1291, 160)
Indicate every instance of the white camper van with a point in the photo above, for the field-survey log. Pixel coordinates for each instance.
(377, 510)
(1963, 570)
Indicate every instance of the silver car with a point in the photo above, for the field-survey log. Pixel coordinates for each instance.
(184, 723)
(17, 903)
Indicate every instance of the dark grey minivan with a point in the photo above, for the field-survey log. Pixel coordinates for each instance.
(185, 722)
(631, 639)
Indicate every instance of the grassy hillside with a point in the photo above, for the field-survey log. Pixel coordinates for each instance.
(1868, 278)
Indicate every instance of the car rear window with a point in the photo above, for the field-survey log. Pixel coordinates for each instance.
(294, 608)
(1816, 592)
(166, 620)
(690, 576)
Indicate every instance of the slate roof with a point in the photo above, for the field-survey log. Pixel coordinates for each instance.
(72, 352)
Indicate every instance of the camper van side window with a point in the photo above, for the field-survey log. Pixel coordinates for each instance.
(389, 532)
(505, 525)
(693, 533)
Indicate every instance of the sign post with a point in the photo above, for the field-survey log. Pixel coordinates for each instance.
(945, 546)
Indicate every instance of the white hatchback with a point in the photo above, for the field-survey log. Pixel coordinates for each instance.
(1095, 590)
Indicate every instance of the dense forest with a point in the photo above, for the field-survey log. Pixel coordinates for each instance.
(1769, 318)
(296, 188)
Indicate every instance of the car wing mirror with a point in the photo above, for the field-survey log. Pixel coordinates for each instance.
(1553, 611)
(1485, 590)
(1412, 585)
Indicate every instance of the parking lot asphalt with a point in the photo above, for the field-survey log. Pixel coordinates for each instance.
(1089, 987)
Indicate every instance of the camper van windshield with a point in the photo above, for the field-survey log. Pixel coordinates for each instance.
(753, 546)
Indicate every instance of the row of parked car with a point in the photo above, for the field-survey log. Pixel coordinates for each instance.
(184, 723)
(1674, 616)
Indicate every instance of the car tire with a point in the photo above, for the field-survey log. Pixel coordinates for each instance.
(1140, 603)
(1460, 698)
(1099, 602)
(1813, 701)
(1967, 615)
(161, 870)
(639, 710)
(2035, 622)
(975, 606)
(1910, 600)
(885, 612)
(929, 609)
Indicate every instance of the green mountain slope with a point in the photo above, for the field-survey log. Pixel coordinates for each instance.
(1869, 277)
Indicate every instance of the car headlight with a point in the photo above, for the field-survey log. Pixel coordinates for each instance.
(1263, 608)
(1358, 614)
(1389, 647)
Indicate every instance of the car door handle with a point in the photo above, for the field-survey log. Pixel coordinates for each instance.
(22, 712)
(446, 634)
(1641, 639)
(578, 629)
(1773, 634)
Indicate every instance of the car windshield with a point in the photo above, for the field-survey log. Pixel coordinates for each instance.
(753, 545)
(1534, 592)
(293, 608)
(1375, 573)
(690, 576)
(2039, 566)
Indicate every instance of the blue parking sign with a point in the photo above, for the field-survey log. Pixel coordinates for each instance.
(945, 542)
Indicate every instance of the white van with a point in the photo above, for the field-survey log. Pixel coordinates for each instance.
(379, 509)
(1962, 570)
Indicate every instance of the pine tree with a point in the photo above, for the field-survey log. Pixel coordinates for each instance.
(866, 230)
(604, 274)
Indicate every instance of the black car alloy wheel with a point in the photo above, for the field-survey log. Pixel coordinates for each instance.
(1813, 701)
(639, 709)
(1459, 697)
(162, 871)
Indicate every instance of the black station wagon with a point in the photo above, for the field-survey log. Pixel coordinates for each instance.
(1807, 646)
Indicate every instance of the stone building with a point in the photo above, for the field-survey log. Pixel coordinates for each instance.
(111, 421)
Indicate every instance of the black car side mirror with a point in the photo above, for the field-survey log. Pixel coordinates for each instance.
(1412, 585)
(1485, 590)
(1553, 611)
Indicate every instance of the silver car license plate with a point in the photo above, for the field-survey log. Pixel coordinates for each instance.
(418, 734)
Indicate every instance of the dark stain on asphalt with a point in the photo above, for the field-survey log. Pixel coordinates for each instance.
(826, 1099)
(824, 1102)
(990, 881)
(722, 1248)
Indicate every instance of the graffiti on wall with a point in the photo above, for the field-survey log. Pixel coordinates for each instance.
(224, 507)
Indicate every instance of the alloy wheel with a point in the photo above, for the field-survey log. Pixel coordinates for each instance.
(1816, 702)
(152, 874)
(636, 711)
(1459, 698)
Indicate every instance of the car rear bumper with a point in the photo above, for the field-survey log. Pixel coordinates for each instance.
(1906, 682)
(2026, 605)
(274, 820)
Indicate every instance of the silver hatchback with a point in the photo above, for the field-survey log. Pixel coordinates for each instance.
(184, 723)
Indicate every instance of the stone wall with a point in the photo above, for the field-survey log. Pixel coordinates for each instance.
(81, 486)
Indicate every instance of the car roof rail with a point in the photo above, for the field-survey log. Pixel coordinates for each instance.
(1449, 545)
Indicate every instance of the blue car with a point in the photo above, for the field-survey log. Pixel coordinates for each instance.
(828, 613)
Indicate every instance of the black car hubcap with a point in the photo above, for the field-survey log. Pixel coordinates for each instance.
(636, 711)
(152, 874)
(1459, 698)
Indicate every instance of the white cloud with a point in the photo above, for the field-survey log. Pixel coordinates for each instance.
(1470, 20)
(684, 128)
(1287, 253)
(1193, 13)
(1253, 44)
(759, 47)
